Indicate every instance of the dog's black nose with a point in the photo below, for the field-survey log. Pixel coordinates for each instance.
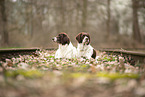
(53, 39)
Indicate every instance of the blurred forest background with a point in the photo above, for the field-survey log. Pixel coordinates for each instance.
(110, 23)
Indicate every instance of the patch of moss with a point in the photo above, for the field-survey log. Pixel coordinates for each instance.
(77, 75)
(25, 73)
(114, 76)
(106, 59)
(51, 57)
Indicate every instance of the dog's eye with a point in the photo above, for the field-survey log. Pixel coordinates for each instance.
(59, 36)
(83, 36)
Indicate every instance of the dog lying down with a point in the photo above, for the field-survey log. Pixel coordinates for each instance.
(84, 49)
(65, 49)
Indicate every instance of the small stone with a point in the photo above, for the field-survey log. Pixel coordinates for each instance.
(132, 84)
(140, 91)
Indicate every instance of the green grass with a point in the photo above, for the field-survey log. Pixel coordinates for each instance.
(25, 73)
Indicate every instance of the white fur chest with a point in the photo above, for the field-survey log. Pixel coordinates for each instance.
(65, 51)
(84, 50)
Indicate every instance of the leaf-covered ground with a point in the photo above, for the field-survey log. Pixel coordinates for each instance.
(41, 75)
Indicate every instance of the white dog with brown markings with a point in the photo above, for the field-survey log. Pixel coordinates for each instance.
(84, 49)
(65, 49)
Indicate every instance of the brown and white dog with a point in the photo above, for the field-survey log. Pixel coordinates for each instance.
(84, 49)
(66, 49)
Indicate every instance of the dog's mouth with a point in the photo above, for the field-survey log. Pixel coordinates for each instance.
(56, 39)
(87, 42)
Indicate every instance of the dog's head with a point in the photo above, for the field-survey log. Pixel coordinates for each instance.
(83, 38)
(61, 38)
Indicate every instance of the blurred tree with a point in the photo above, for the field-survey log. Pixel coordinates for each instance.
(109, 17)
(84, 15)
(3, 24)
(31, 19)
(136, 29)
(40, 20)
(141, 13)
(62, 13)
(77, 15)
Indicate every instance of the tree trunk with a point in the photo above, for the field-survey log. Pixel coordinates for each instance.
(62, 13)
(3, 24)
(31, 19)
(108, 20)
(136, 29)
(77, 16)
(84, 15)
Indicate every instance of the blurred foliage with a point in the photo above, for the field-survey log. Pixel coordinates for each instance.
(33, 23)
(43, 75)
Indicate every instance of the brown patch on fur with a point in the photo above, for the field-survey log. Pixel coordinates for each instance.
(94, 54)
(78, 37)
(63, 38)
(81, 36)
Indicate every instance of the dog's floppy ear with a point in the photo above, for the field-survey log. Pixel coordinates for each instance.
(65, 40)
(78, 37)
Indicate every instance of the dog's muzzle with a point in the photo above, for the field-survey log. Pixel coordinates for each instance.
(86, 40)
(54, 39)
